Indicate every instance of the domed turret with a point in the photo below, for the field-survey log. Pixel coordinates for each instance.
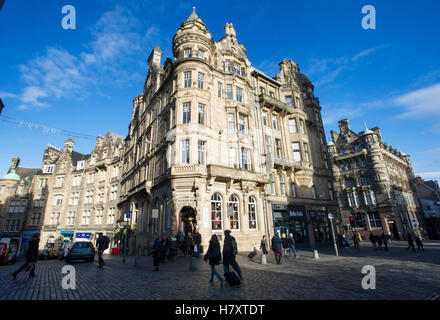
(12, 176)
(193, 39)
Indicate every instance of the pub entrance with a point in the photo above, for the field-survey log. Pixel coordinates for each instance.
(187, 220)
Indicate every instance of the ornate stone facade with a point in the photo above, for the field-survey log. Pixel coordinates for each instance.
(210, 135)
(374, 183)
(82, 190)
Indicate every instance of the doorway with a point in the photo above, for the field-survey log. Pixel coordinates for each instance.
(187, 220)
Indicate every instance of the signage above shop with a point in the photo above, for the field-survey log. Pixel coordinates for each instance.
(86, 235)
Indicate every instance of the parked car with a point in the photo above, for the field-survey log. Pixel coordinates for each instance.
(81, 251)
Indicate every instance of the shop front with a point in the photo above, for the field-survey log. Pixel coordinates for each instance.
(25, 242)
(321, 226)
(67, 235)
(291, 219)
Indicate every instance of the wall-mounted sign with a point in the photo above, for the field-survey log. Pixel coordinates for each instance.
(155, 213)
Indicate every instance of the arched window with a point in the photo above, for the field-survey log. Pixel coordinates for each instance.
(234, 212)
(216, 212)
(252, 206)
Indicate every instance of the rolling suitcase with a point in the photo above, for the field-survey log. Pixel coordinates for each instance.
(252, 254)
(231, 278)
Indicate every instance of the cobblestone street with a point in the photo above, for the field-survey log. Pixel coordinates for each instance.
(401, 274)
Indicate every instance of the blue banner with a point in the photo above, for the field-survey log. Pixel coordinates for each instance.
(86, 235)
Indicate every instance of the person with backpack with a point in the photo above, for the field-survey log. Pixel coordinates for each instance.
(213, 256)
(156, 253)
(379, 242)
(102, 245)
(386, 240)
(276, 247)
(229, 253)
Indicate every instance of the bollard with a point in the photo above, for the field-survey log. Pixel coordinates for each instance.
(193, 264)
(315, 254)
(136, 261)
(263, 259)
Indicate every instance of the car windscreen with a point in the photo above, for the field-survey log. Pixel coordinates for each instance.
(82, 245)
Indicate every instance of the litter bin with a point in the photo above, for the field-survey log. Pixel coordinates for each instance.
(115, 251)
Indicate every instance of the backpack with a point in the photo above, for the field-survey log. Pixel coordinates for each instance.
(234, 246)
(106, 243)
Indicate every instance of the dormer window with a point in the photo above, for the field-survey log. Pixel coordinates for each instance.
(187, 53)
(289, 100)
(80, 165)
(48, 168)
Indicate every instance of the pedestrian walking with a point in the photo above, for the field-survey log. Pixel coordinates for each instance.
(189, 251)
(373, 240)
(156, 253)
(386, 240)
(291, 243)
(31, 257)
(173, 248)
(164, 246)
(379, 242)
(355, 239)
(276, 247)
(410, 242)
(181, 241)
(285, 244)
(419, 243)
(230, 250)
(213, 256)
(102, 245)
(263, 245)
(340, 241)
(198, 242)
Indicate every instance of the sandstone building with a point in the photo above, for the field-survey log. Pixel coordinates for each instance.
(216, 144)
(81, 190)
(21, 208)
(374, 183)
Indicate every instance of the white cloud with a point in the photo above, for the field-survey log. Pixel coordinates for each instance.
(119, 43)
(422, 103)
(4, 94)
(331, 115)
(326, 70)
(429, 175)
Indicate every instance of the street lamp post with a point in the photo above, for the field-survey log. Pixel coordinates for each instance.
(330, 216)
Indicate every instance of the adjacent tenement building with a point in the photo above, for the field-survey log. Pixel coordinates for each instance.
(21, 208)
(215, 144)
(374, 183)
(82, 190)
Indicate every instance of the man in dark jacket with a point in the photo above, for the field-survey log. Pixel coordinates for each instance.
(229, 253)
(156, 253)
(173, 248)
(31, 257)
(410, 241)
(102, 245)
(198, 242)
(276, 247)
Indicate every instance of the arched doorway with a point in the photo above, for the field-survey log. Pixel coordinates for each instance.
(187, 220)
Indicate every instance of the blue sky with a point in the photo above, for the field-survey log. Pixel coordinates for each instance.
(84, 80)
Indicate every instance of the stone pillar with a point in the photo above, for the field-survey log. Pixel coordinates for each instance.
(310, 228)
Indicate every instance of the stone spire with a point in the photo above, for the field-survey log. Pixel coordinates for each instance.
(193, 16)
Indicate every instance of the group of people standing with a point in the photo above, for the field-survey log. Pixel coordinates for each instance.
(164, 250)
(280, 246)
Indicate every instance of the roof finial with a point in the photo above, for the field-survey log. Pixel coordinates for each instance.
(365, 123)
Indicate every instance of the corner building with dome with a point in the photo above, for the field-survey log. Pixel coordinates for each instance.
(214, 144)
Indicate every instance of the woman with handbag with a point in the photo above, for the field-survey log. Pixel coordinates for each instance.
(214, 256)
